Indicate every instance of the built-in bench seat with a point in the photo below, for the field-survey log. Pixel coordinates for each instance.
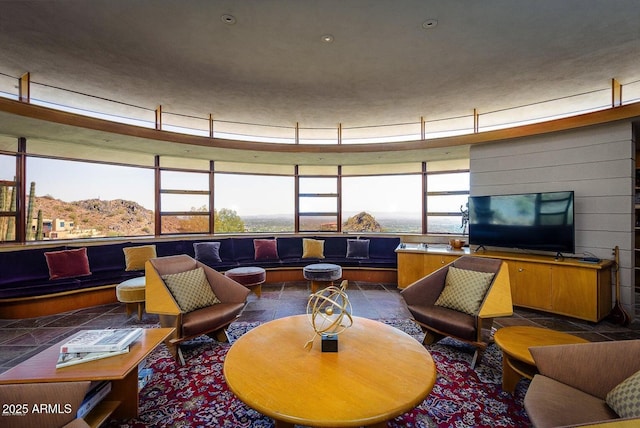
(25, 276)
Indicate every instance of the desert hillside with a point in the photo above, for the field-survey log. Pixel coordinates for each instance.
(108, 218)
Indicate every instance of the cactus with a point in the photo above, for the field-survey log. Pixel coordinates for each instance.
(39, 227)
(32, 197)
(3, 207)
(11, 221)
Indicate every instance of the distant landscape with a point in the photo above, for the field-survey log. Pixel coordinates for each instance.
(99, 218)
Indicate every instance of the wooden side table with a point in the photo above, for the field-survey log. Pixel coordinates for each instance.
(517, 361)
(121, 370)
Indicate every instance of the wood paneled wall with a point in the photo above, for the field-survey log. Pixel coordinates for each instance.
(596, 162)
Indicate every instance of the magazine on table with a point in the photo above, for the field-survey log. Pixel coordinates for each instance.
(101, 340)
(95, 395)
(71, 358)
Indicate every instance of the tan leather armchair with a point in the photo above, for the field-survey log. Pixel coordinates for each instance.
(438, 322)
(210, 320)
(574, 380)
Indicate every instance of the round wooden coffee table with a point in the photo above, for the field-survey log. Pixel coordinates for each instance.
(517, 361)
(378, 373)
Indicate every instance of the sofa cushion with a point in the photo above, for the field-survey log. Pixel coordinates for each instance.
(67, 263)
(464, 290)
(624, 399)
(456, 323)
(135, 257)
(107, 257)
(265, 249)
(550, 403)
(243, 249)
(383, 248)
(334, 247)
(312, 248)
(24, 265)
(191, 289)
(209, 318)
(207, 252)
(357, 248)
(289, 248)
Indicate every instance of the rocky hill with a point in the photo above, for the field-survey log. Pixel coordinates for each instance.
(361, 222)
(107, 218)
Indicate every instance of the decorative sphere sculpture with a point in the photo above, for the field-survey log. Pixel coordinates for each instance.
(329, 311)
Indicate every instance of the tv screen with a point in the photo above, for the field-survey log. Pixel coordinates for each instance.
(534, 221)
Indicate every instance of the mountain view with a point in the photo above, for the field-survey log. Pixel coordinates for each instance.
(102, 218)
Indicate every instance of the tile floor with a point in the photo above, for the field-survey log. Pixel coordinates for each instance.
(20, 339)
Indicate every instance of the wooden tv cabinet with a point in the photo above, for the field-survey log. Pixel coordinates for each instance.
(121, 370)
(565, 287)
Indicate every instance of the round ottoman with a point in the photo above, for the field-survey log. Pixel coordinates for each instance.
(321, 274)
(132, 292)
(251, 277)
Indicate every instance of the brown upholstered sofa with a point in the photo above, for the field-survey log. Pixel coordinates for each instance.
(574, 380)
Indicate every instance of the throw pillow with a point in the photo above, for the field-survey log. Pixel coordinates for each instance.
(135, 257)
(357, 248)
(624, 399)
(191, 289)
(67, 263)
(207, 252)
(265, 249)
(312, 248)
(464, 290)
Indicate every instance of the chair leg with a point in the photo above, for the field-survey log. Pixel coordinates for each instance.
(430, 337)
(140, 309)
(477, 356)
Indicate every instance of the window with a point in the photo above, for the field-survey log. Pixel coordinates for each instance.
(8, 189)
(184, 202)
(75, 199)
(318, 204)
(253, 203)
(447, 196)
(385, 203)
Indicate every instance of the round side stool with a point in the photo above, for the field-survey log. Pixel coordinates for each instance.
(321, 274)
(250, 276)
(132, 292)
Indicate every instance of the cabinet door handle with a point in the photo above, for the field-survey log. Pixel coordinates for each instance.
(520, 270)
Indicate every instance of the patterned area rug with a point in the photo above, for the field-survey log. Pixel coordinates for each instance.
(197, 395)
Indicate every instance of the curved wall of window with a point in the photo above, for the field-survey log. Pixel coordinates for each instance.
(70, 198)
(67, 191)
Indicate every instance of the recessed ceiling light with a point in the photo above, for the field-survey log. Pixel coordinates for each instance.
(327, 38)
(429, 23)
(228, 19)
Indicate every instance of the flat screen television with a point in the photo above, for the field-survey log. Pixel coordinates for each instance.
(532, 221)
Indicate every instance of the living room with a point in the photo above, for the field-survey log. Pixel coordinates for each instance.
(588, 149)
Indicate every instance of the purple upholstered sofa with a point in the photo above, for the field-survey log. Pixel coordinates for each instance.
(25, 273)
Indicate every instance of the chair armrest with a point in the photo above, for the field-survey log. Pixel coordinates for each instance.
(497, 302)
(595, 368)
(225, 288)
(158, 298)
(426, 290)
